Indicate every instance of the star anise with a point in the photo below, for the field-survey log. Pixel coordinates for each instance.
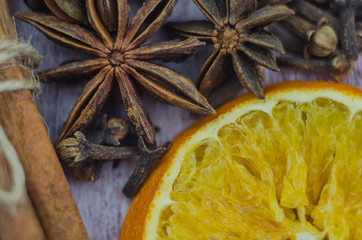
(121, 58)
(236, 31)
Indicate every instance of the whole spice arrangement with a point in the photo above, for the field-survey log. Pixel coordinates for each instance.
(329, 31)
(121, 58)
(280, 163)
(236, 30)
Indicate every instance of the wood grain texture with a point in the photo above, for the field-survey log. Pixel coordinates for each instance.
(102, 205)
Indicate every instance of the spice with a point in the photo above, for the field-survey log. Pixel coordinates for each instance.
(225, 92)
(321, 1)
(263, 3)
(72, 11)
(22, 216)
(348, 34)
(77, 150)
(359, 36)
(46, 184)
(144, 167)
(291, 42)
(36, 5)
(121, 58)
(347, 12)
(86, 158)
(313, 13)
(335, 68)
(330, 29)
(111, 132)
(321, 39)
(240, 43)
(340, 15)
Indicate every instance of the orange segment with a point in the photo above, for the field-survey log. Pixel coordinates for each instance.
(287, 167)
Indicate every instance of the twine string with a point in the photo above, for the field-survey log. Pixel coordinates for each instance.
(27, 58)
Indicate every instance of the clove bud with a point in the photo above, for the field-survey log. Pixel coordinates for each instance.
(323, 42)
(88, 171)
(111, 132)
(79, 149)
(87, 157)
(321, 39)
(118, 129)
(68, 149)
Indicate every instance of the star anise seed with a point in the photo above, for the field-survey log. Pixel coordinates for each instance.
(236, 31)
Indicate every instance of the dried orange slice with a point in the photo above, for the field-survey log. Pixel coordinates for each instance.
(286, 167)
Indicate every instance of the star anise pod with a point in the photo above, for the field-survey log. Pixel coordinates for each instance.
(121, 58)
(236, 31)
(68, 10)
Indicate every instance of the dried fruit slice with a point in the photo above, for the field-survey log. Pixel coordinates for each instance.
(287, 167)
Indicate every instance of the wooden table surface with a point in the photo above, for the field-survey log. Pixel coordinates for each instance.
(102, 205)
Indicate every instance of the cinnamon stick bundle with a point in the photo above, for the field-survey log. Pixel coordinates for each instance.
(46, 184)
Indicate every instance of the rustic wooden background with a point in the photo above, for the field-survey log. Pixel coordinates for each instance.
(102, 205)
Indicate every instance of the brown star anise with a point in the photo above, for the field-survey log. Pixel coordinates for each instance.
(236, 31)
(121, 58)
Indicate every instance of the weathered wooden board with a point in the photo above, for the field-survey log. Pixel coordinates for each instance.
(102, 204)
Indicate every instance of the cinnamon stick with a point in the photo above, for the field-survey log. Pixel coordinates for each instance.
(21, 224)
(46, 184)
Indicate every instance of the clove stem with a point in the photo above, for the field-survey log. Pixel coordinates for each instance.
(225, 93)
(359, 35)
(143, 167)
(78, 149)
(335, 68)
(348, 33)
(101, 152)
(291, 42)
(314, 13)
(299, 26)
